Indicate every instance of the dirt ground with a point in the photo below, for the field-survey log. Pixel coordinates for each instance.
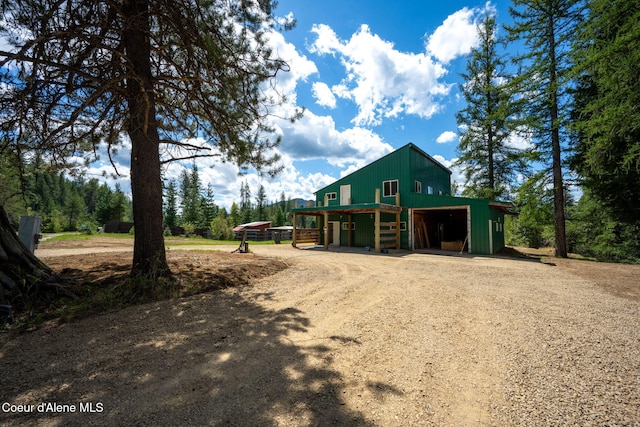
(290, 337)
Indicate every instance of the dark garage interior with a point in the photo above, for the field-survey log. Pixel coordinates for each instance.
(432, 227)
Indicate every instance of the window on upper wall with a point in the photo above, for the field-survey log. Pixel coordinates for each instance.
(389, 188)
(332, 196)
(417, 187)
(429, 189)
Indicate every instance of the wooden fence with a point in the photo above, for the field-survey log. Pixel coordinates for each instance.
(307, 235)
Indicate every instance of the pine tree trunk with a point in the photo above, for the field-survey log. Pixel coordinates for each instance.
(149, 257)
(22, 275)
(556, 151)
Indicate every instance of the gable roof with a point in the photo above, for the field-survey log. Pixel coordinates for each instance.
(437, 163)
(409, 146)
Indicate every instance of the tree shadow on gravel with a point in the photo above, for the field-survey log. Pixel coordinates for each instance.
(211, 359)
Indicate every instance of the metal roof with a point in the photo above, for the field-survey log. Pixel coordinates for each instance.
(356, 208)
(250, 225)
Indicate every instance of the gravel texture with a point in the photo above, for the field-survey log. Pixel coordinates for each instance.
(351, 338)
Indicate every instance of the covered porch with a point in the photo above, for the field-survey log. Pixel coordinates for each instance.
(386, 234)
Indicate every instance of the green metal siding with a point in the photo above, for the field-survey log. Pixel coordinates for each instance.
(480, 212)
(497, 229)
(407, 164)
(428, 174)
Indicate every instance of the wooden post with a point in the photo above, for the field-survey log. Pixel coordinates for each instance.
(398, 230)
(293, 237)
(295, 225)
(377, 222)
(326, 230)
(349, 231)
(398, 221)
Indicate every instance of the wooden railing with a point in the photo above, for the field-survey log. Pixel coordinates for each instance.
(388, 235)
(307, 235)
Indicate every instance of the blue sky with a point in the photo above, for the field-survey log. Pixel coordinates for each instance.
(372, 75)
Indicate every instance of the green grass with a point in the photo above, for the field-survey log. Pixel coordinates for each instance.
(72, 235)
(169, 241)
(61, 237)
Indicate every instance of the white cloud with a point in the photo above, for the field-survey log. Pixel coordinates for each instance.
(447, 136)
(327, 42)
(381, 80)
(300, 68)
(520, 139)
(458, 34)
(316, 137)
(323, 95)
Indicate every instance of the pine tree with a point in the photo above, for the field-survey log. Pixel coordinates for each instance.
(191, 197)
(261, 200)
(161, 72)
(606, 113)
(74, 209)
(490, 164)
(209, 208)
(547, 28)
(171, 205)
(245, 203)
(235, 216)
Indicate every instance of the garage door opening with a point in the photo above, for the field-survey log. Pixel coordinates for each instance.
(442, 228)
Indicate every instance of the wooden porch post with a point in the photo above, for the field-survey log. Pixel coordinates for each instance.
(326, 230)
(377, 222)
(326, 223)
(295, 225)
(349, 232)
(398, 221)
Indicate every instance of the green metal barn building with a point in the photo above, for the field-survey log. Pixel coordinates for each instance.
(402, 200)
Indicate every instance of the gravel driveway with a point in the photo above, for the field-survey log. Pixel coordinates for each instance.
(344, 338)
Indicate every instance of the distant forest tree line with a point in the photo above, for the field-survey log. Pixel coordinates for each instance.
(68, 203)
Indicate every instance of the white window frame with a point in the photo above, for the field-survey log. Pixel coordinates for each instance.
(332, 195)
(390, 193)
(417, 186)
(348, 225)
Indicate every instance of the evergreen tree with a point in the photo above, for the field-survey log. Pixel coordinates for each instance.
(245, 203)
(171, 205)
(595, 232)
(209, 208)
(161, 72)
(220, 227)
(547, 28)
(111, 205)
(90, 191)
(534, 201)
(261, 200)
(489, 162)
(235, 216)
(278, 218)
(191, 197)
(74, 209)
(607, 117)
